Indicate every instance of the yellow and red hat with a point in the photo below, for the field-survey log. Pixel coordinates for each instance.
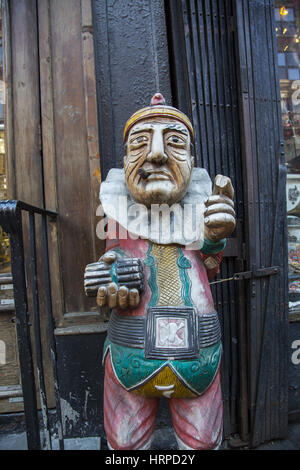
(158, 108)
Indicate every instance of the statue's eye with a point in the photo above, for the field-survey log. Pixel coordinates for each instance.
(175, 139)
(141, 139)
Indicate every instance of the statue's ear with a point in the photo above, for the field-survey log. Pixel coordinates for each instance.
(192, 150)
(125, 156)
(192, 161)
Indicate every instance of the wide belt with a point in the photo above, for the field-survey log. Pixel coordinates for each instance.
(166, 332)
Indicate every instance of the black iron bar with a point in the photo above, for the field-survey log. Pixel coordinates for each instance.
(11, 221)
(28, 207)
(37, 331)
(51, 331)
(37, 210)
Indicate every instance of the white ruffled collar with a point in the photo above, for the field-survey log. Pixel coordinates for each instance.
(118, 205)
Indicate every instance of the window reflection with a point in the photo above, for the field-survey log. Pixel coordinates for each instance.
(287, 25)
(4, 240)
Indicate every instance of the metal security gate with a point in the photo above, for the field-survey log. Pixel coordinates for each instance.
(208, 77)
(265, 177)
(207, 80)
(229, 79)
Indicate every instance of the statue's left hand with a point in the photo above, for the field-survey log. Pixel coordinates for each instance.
(219, 216)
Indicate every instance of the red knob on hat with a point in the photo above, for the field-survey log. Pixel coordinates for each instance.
(157, 99)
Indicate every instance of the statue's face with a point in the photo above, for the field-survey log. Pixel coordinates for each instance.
(158, 162)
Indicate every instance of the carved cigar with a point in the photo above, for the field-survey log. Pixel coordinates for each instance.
(222, 185)
(143, 173)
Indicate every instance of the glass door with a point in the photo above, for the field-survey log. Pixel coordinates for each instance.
(287, 23)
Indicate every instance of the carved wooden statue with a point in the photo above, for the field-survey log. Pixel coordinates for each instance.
(164, 335)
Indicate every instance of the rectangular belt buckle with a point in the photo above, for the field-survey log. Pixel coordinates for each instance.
(171, 332)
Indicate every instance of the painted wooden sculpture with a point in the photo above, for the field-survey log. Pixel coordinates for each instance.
(164, 335)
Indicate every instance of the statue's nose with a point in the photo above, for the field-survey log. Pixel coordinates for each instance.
(157, 153)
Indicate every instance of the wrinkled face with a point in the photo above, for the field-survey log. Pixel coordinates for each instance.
(158, 162)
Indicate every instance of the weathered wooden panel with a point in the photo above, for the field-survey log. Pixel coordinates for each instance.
(26, 102)
(48, 144)
(70, 148)
(72, 168)
(52, 148)
(91, 120)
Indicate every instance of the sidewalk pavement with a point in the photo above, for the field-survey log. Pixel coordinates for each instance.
(163, 440)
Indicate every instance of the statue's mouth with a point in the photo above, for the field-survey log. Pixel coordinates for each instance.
(154, 175)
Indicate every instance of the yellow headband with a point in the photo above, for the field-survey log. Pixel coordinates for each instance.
(157, 111)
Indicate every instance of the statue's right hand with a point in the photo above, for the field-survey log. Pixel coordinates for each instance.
(100, 282)
(114, 296)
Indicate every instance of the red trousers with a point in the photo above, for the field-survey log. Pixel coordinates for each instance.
(129, 419)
